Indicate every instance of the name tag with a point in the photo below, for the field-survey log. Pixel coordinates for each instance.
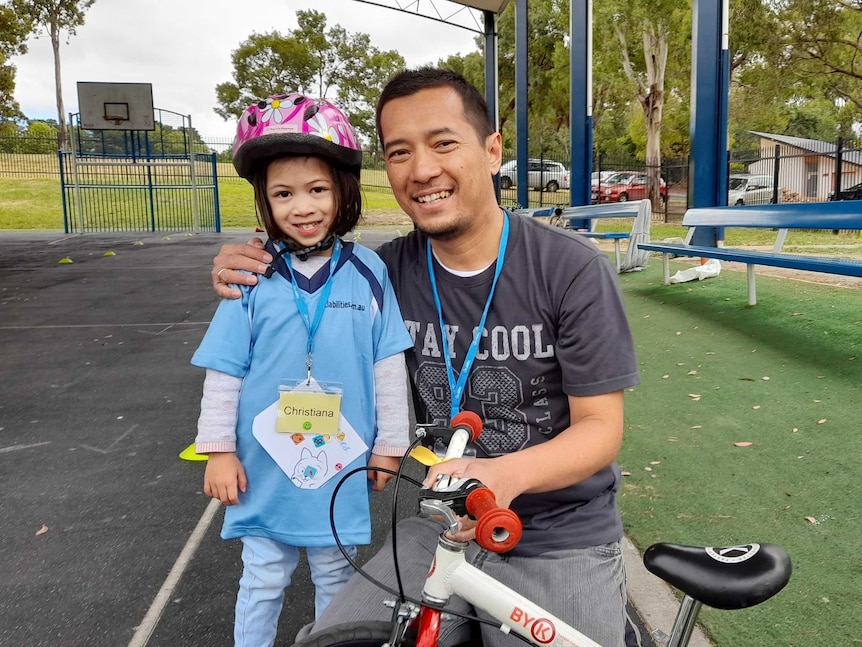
(308, 412)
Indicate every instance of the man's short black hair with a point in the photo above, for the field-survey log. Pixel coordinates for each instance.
(408, 82)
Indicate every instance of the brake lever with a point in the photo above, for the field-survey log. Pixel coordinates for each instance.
(448, 498)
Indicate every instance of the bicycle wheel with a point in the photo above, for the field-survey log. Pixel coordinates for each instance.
(356, 634)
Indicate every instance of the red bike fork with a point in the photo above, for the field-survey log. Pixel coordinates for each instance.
(429, 627)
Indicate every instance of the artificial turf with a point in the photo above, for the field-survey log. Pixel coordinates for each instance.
(784, 376)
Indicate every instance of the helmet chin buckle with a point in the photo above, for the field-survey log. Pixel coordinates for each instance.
(302, 253)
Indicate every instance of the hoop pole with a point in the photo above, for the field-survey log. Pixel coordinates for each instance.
(75, 177)
(196, 215)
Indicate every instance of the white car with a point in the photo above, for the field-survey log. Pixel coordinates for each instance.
(601, 177)
(543, 175)
(749, 189)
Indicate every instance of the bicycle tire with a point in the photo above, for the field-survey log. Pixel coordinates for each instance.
(356, 634)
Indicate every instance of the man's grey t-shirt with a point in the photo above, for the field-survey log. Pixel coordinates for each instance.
(556, 327)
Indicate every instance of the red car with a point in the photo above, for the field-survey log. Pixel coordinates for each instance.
(625, 186)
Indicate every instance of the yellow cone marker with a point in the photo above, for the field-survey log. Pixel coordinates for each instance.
(189, 454)
(110, 253)
(66, 260)
(138, 243)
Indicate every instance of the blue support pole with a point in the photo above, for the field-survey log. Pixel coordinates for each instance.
(522, 151)
(492, 83)
(580, 100)
(710, 77)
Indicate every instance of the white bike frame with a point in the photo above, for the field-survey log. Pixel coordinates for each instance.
(451, 575)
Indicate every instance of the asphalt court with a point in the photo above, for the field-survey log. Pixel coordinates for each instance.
(107, 538)
(98, 400)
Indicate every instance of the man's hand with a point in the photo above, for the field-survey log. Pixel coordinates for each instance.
(224, 477)
(250, 257)
(482, 469)
(381, 478)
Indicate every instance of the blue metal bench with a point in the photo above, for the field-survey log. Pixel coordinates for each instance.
(846, 214)
(582, 219)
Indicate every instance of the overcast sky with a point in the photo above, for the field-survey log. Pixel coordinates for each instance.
(183, 48)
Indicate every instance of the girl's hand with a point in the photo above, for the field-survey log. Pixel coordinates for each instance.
(381, 478)
(224, 478)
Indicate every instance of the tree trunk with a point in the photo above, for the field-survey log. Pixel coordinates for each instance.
(652, 107)
(650, 96)
(62, 135)
(655, 53)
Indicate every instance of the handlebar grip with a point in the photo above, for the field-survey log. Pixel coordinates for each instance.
(471, 420)
(497, 529)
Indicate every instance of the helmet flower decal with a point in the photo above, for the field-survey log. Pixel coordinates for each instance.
(321, 128)
(290, 124)
(272, 111)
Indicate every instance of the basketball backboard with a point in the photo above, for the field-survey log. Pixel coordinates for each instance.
(116, 106)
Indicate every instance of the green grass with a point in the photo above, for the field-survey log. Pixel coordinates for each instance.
(783, 375)
(30, 203)
(36, 203)
(796, 239)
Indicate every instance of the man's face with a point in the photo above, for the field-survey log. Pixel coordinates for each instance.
(439, 168)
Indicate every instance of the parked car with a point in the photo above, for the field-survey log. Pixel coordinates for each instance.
(850, 193)
(601, 177)
(624, 186)
(749, 189)
(541, 175)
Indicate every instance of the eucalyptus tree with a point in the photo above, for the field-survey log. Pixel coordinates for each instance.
(366, 70)
(53, 17)
(13, 33)
(653, 38)
(824, 46)
(313, 59)
(263, 65)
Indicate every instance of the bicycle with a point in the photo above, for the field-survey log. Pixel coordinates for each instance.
(732, 577)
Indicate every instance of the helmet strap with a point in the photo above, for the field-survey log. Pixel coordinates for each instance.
(302, 253)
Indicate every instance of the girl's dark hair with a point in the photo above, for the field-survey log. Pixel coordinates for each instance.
(408, 82)
(348, 200)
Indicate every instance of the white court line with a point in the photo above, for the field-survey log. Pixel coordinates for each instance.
(107, 325)
(15, 448)
(145, 629)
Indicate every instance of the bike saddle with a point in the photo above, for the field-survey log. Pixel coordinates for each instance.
(731, 577)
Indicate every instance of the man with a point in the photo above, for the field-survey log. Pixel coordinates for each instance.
(554, 357)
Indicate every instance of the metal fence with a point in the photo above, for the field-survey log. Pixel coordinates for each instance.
(803, 170)
(800, 170)
(156, 193)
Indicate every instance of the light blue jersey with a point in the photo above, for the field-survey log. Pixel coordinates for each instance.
(262, 338)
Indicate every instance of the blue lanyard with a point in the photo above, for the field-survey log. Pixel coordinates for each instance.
(302, 306)
(456, 388)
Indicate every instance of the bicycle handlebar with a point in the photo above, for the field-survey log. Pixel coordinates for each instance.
(497, 529)
(468, 427)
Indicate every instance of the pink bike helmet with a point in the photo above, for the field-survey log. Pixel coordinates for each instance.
(293, 124)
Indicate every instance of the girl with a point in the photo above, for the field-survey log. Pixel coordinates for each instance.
(305, 373)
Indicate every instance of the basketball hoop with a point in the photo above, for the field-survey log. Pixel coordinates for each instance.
(117, 119)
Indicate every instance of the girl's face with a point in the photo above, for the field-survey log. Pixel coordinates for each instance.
(301, 197)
